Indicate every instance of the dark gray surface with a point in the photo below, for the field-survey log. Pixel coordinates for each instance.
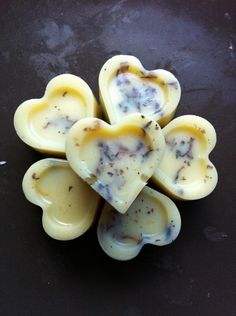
(196, 275)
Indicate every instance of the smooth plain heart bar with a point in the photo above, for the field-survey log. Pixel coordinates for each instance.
(152, 219)
(185, 171)
(126, 87)
(115, 160)
(69, 204)
(43, 123)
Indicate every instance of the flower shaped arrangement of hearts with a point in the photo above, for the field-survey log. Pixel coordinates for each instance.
(114, 160)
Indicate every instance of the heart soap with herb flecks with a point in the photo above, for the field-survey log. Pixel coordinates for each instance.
(152, 219)
(43, 123)
(185, 171)
(115, 160)
(69, 204)
(126, 87)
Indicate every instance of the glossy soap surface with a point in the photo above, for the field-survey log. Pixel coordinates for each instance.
(44, 123)
(126, 87)
(185, 171)
(69, 204)
(133, 94)
(152, 218)
(65, 108)
(115, 160)
(195, 275)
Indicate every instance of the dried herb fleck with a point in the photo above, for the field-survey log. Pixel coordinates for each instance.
(147, 125)
(209, 167)
(174, 85)
(186, 152)
(178, 173)
(35, 177)
(124, 67)
(64, 93)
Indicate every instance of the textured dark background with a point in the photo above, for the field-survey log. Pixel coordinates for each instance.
(196, 275)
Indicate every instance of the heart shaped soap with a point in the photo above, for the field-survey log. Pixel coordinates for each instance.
(43, 123)
(116, 160)
(185, 171)
(69, 204)
(126, 87)
(152, 219)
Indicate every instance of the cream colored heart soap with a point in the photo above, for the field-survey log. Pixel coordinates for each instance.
(127, 87)
(69, 204)
(116, 160)
(185, 171)
(43, 123)
(152, 219)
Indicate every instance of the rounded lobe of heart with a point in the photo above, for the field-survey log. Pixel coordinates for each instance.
(126, 87)
(185, 172)
(152, 219)
(69, 205)
(44, 123)
(115, 160)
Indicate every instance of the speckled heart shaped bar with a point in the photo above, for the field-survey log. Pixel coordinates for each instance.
(116, 160)
(127, 87)
(69, 205)
(152, 219)
(185, 171)
(43, 123)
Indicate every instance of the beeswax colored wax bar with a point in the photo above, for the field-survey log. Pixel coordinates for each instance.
(69, 205)
(152, 219)
(185, 171)
(126, 87)
(115, 160)
(43, 123)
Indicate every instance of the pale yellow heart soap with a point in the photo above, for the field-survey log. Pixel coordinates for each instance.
(115, 160)
(152, 219)
(126, 87)
(185, 171)
(69, 204)
(43, 123)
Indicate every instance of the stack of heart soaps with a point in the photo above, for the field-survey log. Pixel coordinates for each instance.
(109, 163)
